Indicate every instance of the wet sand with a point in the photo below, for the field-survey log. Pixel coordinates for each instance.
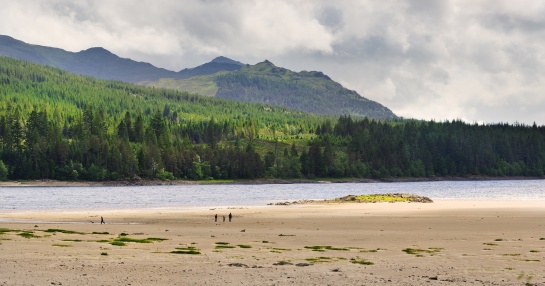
(443, 243)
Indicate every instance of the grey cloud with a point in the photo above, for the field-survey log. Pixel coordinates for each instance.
(514, 23)
(422, 58)
(428, 9)
(331, 17)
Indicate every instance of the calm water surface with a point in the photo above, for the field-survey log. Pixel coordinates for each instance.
(206, 196)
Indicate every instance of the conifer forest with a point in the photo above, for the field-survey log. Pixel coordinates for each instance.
(58, 125)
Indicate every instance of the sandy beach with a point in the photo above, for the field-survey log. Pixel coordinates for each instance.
(442, 243)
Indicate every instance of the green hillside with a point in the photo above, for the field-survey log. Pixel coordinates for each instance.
(54, 124)
(57, 125)
(264, 82)
(222, 77)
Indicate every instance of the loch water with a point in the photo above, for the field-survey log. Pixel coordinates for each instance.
(232, 195)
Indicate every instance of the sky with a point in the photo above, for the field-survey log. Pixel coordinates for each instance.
(477, 61)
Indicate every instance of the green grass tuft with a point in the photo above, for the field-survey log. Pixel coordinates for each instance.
(319, 259)
(156, 239)
(244, 246)
(322, 248)
(63, 245)
(103, 232)
(104, 253)
(186, 250)
(26, 234)
(137, 240)
(224, 246)
(62, 231)
(118, 243)
(419, 252)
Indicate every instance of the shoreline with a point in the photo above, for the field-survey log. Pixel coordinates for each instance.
(438, 206)
(57, 183)
(446, 242)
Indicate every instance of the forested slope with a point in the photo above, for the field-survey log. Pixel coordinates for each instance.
(57, 125)
(54, 124)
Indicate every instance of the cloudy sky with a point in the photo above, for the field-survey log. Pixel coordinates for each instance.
(479, 61)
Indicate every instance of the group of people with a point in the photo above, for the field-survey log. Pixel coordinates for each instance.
(216, 218)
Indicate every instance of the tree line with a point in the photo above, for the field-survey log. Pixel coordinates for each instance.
(410, 148)
(55, 125)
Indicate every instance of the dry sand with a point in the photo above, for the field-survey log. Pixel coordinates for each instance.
(458, 243)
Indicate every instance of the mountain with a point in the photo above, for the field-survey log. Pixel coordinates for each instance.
(101, 63)
(222, 77)
(264, 82)
(59, 125)
(216, 65)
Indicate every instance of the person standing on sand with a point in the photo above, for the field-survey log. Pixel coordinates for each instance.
(223, 218)
(230, 217)
(102, 220)
(216, 218)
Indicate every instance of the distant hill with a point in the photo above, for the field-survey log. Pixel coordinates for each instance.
(264, 82)
(222, 77)
(216, 65)
(100, 63)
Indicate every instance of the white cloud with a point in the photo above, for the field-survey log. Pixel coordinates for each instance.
(475, 60)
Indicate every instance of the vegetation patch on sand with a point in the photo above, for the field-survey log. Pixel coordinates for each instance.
(122, 241)
(419, 252)
(5, 230)
(319, 259)
(53, 230)
(322, 248)
(221, 244)
(373, 198)
(186, 250)
(27, 234)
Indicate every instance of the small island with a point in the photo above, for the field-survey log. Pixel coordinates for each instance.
(371, 198)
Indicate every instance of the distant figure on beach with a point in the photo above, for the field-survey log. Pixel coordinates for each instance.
(230, 217)
(223, 218)
(216, 218)
(102, 220)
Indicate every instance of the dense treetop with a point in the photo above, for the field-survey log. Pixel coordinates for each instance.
(57, 125)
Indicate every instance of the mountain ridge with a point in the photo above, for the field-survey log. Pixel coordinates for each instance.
(101, 63)
(308, 91)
